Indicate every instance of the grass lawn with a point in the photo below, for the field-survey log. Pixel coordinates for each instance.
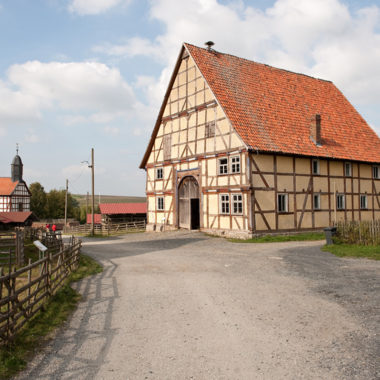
(282, 238)
(14, 357)
(348, 250)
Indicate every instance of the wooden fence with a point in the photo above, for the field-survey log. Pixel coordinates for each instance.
(364, 232)
(24, 291)
(107, 229)
(12, 248)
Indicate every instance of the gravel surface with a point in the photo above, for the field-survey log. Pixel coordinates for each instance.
(182, 305)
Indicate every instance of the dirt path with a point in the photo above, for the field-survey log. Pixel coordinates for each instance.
(186, 306)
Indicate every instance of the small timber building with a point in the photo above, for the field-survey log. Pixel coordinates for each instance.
(242, 148)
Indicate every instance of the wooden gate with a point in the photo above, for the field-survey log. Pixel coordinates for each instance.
(188, 196)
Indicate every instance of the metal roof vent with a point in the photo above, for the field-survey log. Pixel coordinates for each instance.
(209, 45)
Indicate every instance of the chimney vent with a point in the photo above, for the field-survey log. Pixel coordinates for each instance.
(209, 45)
(315, 130)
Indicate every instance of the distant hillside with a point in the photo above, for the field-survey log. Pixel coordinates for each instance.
(108, 199)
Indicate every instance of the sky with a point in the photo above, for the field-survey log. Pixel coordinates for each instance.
(82, 74)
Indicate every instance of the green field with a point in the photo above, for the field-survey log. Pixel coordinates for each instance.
(108, 199)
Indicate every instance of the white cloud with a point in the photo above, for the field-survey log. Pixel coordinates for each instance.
(320, 38)
(111, 131)
(93, 90)
(31, 136)
(93, 7)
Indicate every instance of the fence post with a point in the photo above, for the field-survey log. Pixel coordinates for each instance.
(48, 263)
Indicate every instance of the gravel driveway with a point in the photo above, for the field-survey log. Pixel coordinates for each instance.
(182, 305)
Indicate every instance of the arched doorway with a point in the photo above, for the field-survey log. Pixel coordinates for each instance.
(188, 204)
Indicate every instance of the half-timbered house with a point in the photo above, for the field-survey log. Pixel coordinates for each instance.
(242, 148)
(14, 193)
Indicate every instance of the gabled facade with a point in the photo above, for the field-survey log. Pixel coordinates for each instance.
(14, 193)
(241, 148)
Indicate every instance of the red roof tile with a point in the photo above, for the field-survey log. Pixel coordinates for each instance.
(14, 216)
(271, 109)
(97, 218)
(7, 186)
(123, 208)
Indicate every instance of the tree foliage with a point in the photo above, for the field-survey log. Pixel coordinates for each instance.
(52, 204)
(38, 199)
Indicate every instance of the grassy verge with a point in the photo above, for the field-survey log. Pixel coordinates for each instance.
(282, 238)
(14, 357)
(348, 250)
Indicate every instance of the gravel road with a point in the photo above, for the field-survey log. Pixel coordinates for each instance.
(182, 305)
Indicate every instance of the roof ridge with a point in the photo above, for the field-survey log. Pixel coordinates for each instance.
(260, 63)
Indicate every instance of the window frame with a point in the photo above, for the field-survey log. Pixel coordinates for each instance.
(159, 170)
(286, 202)
(210, 129)
(318, 206)
(375, 168)
(223, 165)
(224, 203)
(315, 161)
(237, 202)
(348, 165)
(363, 196)
(343, 197)
(236, 164)
(160, 207)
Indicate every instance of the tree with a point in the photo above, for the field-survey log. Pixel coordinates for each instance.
(38, 199)
(56, 205)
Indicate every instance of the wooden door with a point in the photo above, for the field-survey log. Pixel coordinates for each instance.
(188, 190)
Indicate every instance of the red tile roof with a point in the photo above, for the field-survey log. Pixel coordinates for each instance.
(7, 186)
(123, 208)
(15, 216)
(271, 109)
(97, 218)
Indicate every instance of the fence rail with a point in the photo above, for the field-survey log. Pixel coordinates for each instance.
(364, 232)
(24, 291)
(107, 229)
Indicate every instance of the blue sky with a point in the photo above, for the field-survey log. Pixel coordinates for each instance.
(76, 74)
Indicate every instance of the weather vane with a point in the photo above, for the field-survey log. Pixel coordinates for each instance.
(17, 148)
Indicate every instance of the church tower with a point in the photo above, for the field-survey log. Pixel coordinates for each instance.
(16, 168)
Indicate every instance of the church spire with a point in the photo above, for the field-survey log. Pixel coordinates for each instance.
(16, 167)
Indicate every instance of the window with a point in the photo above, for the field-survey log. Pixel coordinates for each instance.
(316, 202)
(348, 169)
(210, 129)
(237, 204)
(282, 202)
(376, 172)
(235, 164)
(223, 165)
(340, 203)
(159, 173)
(363, 202)
(315, 166)
(160, 203)
(20, 206)
(167, 147)
(224, 203)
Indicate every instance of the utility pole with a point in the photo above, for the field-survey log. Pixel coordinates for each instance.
(93, 191)
(87, 205)
(67, 190)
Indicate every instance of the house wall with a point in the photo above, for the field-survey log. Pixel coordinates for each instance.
(274, 174)
(20, 198)
(191, 110)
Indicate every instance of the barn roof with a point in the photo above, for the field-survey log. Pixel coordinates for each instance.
(7, 186)
(15, 216)
(272, 109)
(123, 208)
(97, 218)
